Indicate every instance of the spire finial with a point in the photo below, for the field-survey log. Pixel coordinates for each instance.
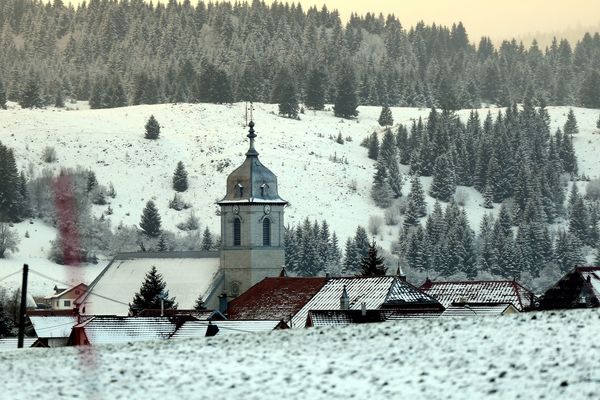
(251, 135)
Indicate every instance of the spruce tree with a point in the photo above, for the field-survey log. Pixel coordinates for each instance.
(380, 191)
(180, 182)
(2, 96)
(351, 257)
(361, 241)
(346, 100)
(418, 196)
(31, 96)
(385, 117)
(373, 153)
(152, 128)
(590, 88)
(314, 97)
(152, 291)
(92, 182)
(443, 185)
(284, 93)
(571, 127)
(150, 222)
(200, 305)
(162, 244)
(372, 264)
(207, 240)
(6, 324)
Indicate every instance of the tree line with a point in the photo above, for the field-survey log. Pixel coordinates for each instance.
(115, 53)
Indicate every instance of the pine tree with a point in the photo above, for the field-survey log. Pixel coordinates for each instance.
(488, 197)
(92, 182)
(6, 324)
(180, 182)
(314, 97)
(152, 291)
(372, 264)
(200, 305)
(150, 221)
(380, 191)
(284, 93)
(590, 88)
(346, 100)
(418, 196)
(443, 185)
(373, 146)
(31, 96)
(385, 117)
(207, 240)
(351, 258)
(571, 127)
(162, 246)
(2, 97)
(361, 241)
(152, 128)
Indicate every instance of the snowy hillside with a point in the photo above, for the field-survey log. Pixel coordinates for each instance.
(210, 140)
(530, 356)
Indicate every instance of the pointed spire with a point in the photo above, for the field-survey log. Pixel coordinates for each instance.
(344, 300)
(283, 272)
(251, 135)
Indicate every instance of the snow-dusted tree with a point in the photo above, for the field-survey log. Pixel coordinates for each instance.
(443, 185)
(385, 117)
(207, 240)
(92, 182)
(568, 251)
(372, 264)
(361, 241)
(180, 181)
(9, 240)
(150, 222)
(200, 305)
(314, 97)
(571, 127)
(31, 96)
(351, 257)
(284, 93)
(346, 100)
(488, 197)
(152, 292)
(590, 88)
(418, 196)
(152, 128)
(6, 324)
(162, 245)
(373, 144)
(380, 191)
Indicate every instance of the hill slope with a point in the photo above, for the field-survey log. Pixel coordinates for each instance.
(210, 140)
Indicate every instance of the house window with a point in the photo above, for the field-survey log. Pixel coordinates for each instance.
(67, 303)
(266, 232)
(57, 303)
(237, 232)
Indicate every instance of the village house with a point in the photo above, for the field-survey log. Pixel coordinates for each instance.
(479, 293)
(66, 299)
(579, 288)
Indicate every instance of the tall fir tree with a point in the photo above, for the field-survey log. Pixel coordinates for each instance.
(380, 191)
(385, 117)
(314, 97)
(207, 240)
(346, 100)
(571, 127)
(152, 292)
(180, 181)
(150, 222)
(152, 128)
(31, 96)
(443, 185)
(372, 264)
(284, 93)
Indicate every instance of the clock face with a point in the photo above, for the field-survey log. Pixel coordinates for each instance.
(267, 209)
(236, 210)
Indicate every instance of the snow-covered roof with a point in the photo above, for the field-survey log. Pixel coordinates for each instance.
(274, 298)
(371, 290)
(81, 286)
(395, 315)
(490, 292)
(53, 326)
(106, 329)
(192, 329)
(7, 344)
(186, 274)
(401, 292)
(477, 310)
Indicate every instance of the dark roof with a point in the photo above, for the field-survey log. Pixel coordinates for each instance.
(258, 183)
(483, 292)
(578, 288)
(202, 315)
(274, 298)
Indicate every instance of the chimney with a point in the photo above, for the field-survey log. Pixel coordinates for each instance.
(223, 303)
(344, 300)
(283, 273)
(363, 309)
(327, 275)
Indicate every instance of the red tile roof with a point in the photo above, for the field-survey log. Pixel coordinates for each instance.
(484, 292)
(274, 298)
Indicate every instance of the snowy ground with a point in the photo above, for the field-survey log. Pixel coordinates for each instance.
(210, 140)
(531, 356)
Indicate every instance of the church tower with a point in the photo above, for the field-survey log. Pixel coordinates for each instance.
(251, 224)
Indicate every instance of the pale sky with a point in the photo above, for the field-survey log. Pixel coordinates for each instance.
(499, 19)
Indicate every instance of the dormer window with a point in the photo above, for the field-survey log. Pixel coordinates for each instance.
(239, 189)
(264, 189)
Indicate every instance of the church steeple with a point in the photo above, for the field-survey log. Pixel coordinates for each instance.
(251, 135)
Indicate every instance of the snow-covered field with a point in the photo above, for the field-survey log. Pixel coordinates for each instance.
(530, 356)
(210, 140)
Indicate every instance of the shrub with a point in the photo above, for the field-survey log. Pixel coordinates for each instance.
(49, 154)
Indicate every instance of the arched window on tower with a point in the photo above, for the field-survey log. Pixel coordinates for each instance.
(266, 232)
(237, 232)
